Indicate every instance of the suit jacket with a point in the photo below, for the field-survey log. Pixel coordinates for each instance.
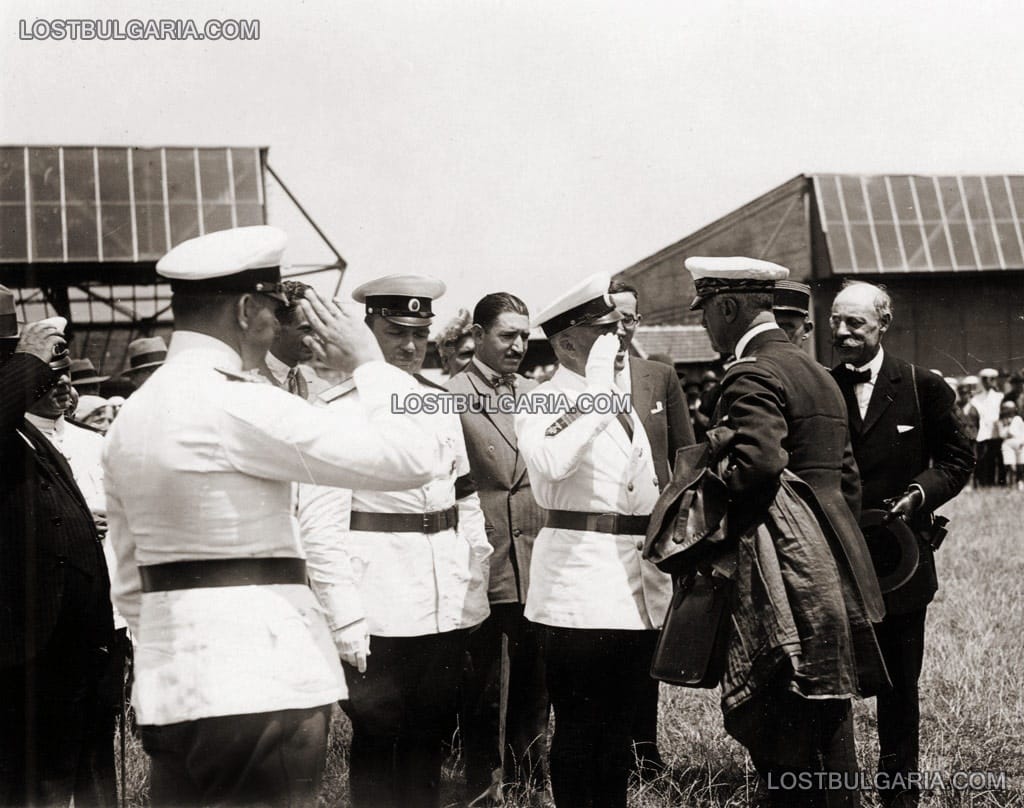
(787, 413)
(47, 526)
(895, 446)
(658, 399)
(512, 516)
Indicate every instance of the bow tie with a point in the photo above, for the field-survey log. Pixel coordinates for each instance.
(848, 374)
(504, 380)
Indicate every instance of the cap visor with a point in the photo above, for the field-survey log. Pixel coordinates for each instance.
(611, 317)
(697, 303)
(415, 322)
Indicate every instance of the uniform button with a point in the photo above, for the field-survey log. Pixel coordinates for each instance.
(639, 545)
(45, 486)
(57, 521)
(517, 533)
(629, 487)
(655, 481)
(490, 449)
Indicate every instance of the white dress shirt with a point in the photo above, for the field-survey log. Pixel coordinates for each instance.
(587, 579)
(197, 466)
(403, 584)
(865, 390)
(987, 403)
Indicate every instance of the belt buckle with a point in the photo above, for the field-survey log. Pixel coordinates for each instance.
(426, 524)
(605, 523)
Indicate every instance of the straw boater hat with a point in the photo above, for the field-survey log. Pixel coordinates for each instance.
(84, 372)
(145, 352)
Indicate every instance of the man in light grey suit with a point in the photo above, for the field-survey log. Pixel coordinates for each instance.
(504, 712)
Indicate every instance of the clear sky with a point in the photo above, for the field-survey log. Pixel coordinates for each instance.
(518, 144)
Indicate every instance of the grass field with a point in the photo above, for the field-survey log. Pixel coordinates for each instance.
(972, 689)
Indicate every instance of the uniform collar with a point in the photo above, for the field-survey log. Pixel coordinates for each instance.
(203, 349)
(749, 334)
(280, 370)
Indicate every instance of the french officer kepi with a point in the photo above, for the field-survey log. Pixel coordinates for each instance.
(236, 662)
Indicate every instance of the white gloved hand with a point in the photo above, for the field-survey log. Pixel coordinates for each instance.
(601, 361)
(353, 644)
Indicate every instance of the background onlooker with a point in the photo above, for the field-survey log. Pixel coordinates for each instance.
(987, 402)
(455, 343)
(1010, 429)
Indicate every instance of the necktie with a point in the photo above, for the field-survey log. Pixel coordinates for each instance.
(297, 384)
(503, 380)
(852, 377)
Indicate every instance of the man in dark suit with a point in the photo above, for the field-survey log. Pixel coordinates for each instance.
(56, 621)
(914, 455)
(504, 711)
(658, 399)
(779, 411)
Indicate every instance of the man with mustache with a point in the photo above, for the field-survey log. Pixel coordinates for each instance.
(504, 714)
(911, 446)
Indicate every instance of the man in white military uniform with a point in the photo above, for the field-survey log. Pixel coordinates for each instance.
(418, 560)
(595, 598)
(236, 670)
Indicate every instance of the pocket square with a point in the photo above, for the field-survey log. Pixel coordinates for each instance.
(658, 408)
(901, 428)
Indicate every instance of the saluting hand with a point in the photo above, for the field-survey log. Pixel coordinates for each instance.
(601, 361)
(342, 339)
(45, 339)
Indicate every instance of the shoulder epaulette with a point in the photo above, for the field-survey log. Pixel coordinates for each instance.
(564, 421)
(425, 381)
(240, 376)
(339, 390)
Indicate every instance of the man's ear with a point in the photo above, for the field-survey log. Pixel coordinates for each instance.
(884, 322)
(478, 332)
(808, 327)
(246, 309)
(728, 306)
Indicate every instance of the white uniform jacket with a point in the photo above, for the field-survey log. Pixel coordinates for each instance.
(402, 584)
(586, 579)
(198, 465)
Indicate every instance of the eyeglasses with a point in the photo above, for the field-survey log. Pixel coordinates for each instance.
(631, 319)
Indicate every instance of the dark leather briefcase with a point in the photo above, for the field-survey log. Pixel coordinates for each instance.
(693, 643)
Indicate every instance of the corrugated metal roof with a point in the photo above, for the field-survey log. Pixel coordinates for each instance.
(913, 223)
(84, 204)
(684, 343)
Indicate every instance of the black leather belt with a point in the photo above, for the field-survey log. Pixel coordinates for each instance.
(433, 522)
(599, 522)
(222, 572)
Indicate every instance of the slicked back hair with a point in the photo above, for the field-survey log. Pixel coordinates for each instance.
(492, 306)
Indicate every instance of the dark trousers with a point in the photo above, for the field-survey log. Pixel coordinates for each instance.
(827, 724)
(986, 472)
(645, 727)
(56, 719)
(596, 680)
(272, 759)
(402, 710)
(901, 638)
(503, 718)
